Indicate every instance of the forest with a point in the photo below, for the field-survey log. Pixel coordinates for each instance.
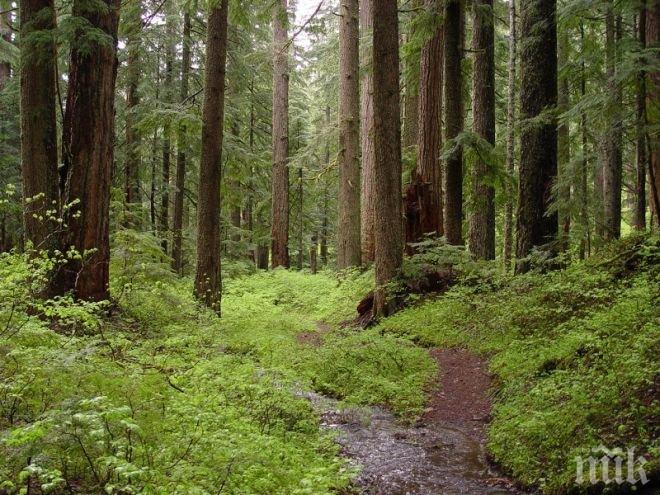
(329, 247)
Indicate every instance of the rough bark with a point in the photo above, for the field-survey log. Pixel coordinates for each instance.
(164, 214)
(510, 138)
(367, 183)
(313, 254)
(538, 141)
(585, 241)
(182, 154)
(38, 122)
(453, 54)
(564, 148)
(411, 89)
(423, 202)
(325, 230)
(132, 168)
(612, 168)
(387, 141)
(88, 134)
(207, 278)
(348, 229)
(653, 112)
(639, 212)
(280, 187)
(482, 218)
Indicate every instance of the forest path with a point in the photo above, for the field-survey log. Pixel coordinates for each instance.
(442, 455)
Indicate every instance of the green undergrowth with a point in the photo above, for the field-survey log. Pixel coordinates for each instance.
(155, 395)
(574, 353)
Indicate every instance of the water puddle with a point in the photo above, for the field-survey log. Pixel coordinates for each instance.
(441, 459)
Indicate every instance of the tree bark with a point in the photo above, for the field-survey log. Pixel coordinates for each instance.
(482, 218)
(453, 54)
(38, 122)
(182, 154)
(653, 111)
(207, 279)
(280, 206)
(164, 216)
(348, 228)
(88, 134)
(585, 242)
(411, 89)
(612, 168)
(313, 254)
(538, 141)
(564, 148)
(387, 127)
(367, 137)
(132, 169)
(510, 138)
(424, 195)
(639, 213)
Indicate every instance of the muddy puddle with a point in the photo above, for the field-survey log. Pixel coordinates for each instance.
(441, 459)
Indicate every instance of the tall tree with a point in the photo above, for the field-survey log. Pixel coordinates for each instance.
(411, 86)
(280, 189)
(538, 140)
(653, 111)
(367, 136)
(134, 36)
(348, 229)
(453, 55)
(564, 144)
(424, 195)
(38, 122)
(639, 213)
(482, 218)
(510, 137)
(612, 168)
(585, 241)
(87, 142)
(164, 215)
(387, 141)
(207, 278)
(182, 153)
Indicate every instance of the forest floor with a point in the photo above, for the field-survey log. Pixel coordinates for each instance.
(158, 395)
(444, 452)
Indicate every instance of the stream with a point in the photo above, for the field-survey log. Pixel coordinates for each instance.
(394, 459)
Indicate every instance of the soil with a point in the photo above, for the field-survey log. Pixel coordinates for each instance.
(442, 455)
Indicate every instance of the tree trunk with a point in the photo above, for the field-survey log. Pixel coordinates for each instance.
(564, 148)
(424, 195)
(348, 228)
(510, 138)
(301, 219)
(280, 207)
(387, 141)
(132, 169)
(313, 253)
(207, 279)
(612, 168)
(653, 110)
(453, 54)
(182, 154)
(367, 137)
(164, 216)
(38, 122)
(585, 242)
(482, 219)
(411, 88)
(88, 134)
(538, 141)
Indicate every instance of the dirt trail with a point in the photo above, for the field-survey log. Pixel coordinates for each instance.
(443, 455)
